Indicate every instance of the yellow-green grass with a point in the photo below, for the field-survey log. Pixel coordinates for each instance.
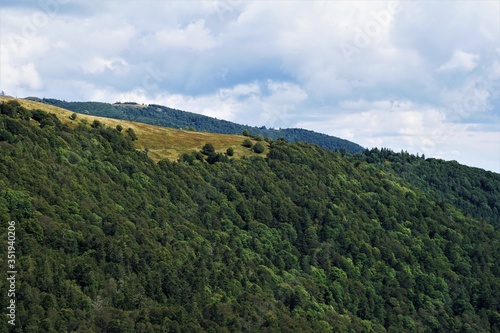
(161, 142)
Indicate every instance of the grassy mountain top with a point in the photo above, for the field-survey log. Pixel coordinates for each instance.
(161, 142)
(168, 117)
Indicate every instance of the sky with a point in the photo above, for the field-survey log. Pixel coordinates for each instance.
(420, 76)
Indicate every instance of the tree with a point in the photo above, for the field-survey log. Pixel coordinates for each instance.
(230, 151)
(247, 143)
(131, 134)
(258, 148)
(96, 124)
(245, 132)
(119, 128)
(208, 149)
(216, 157)
(73, 116)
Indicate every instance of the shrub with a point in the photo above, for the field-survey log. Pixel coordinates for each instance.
(258, 148)
(247, 143)
(131, 134)
(208, 149)
(96, 124)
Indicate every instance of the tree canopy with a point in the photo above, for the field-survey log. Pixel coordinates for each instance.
(303, 239)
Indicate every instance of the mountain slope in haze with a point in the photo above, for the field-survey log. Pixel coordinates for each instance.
(165, 116)
(304, 240)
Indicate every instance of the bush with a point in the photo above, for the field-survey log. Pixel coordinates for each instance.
(131, 134)
(208, 149)
(230, 151)
(258, 148)
(96, 124)
(216, 157)
(247, 143)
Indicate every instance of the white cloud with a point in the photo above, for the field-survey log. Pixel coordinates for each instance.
(402, 125)
(195, 36)
(460, 61)
(99, 65)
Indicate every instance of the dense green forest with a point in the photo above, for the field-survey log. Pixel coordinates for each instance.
(168, 117)
(473, 190)
(301, 240)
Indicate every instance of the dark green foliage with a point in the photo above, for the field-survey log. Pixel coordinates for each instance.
(168, 117)
(230, 151)
(96, 124)
(304, 240)
(258, 148)
(73, 116)
(131, 134)
(208, 149)
(473, 190)
(13, 109)
(119, 128)
(247, 143)
(216, 157)
(44, 119)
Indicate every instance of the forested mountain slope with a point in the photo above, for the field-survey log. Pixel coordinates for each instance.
(475, 191)
(303, 240)
(165, 116)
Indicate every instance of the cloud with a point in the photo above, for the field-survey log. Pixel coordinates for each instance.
(403, 125)
(194, 37)
(460, 61)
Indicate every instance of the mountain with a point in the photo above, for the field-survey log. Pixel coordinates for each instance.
(299, 239)
(159, 142)
(165, 116)
(473, 190)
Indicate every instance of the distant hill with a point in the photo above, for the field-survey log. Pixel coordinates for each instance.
(168, 117)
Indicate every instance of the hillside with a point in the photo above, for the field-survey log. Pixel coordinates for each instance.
(165, 116)
(303, 240)
(473, 190)
(160, 142)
